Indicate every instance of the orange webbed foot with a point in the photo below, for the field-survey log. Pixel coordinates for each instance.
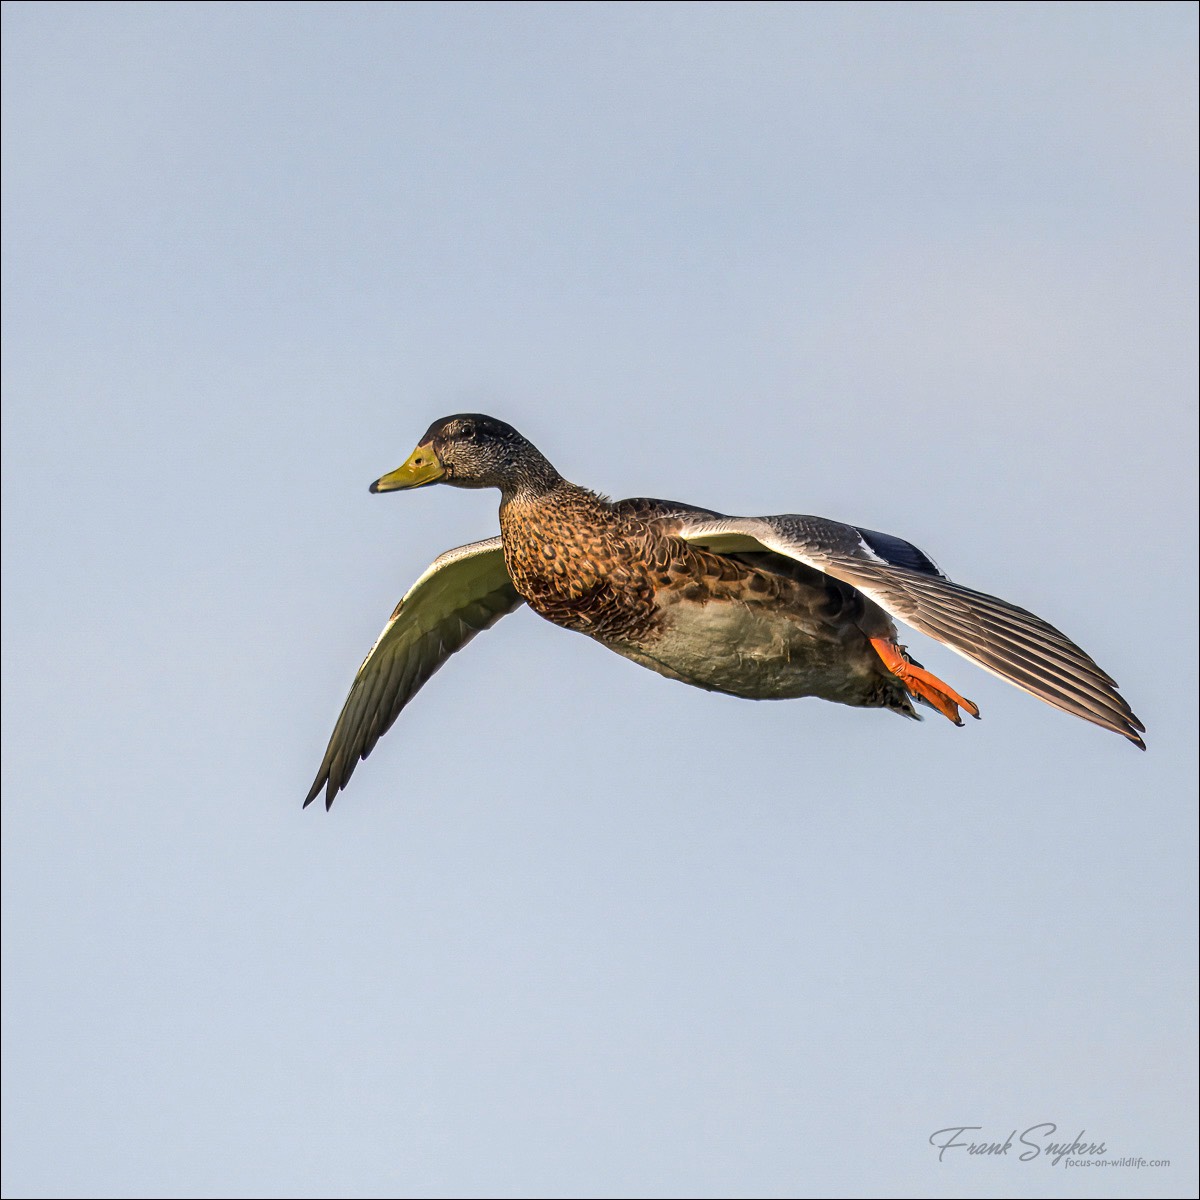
(923, 683)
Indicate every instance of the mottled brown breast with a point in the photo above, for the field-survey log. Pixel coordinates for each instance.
(578, 565)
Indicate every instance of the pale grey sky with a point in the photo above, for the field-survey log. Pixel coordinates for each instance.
(576, 930)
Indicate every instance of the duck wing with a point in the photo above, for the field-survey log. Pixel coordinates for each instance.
(1006, 640)
(464, 591)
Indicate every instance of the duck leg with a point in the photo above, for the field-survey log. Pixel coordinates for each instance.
(923, 683)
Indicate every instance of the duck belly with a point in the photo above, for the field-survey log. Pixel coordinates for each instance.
(760, 653)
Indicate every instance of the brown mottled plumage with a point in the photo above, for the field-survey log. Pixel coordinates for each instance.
(760, 607)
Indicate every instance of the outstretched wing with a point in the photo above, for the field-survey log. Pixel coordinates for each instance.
(464, 591)
(998, 636)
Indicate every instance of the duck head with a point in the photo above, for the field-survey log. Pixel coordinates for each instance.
(474, 451)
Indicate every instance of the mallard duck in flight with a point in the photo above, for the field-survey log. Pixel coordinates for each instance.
(768, 608)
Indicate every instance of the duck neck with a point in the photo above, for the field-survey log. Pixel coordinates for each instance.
(532, 478)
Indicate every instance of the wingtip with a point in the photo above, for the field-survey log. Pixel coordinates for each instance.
(325, 784)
